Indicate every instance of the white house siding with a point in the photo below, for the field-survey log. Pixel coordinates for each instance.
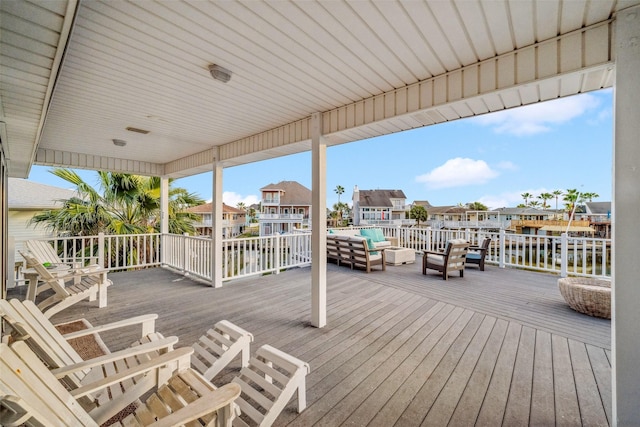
(19, 231)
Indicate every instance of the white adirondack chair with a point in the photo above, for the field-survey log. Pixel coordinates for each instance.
(30, 394)
(29, 324)
(45, 253)
(82, 285)
(268, 380)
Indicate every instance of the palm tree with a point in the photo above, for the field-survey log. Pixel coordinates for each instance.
(544, 197)
(571, 197)
(534, 203)
(338, 212)
(339, 190)
(241, 206)
(127, 204)
(588, 197)
(557, 193)
(526, 197)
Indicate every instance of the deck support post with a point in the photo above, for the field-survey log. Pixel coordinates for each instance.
(164, 218)
(318, 223)
(626, 204)
(216, 224)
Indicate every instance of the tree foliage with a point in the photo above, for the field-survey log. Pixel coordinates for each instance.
(419, 213)
(123, 204)
(477, 206)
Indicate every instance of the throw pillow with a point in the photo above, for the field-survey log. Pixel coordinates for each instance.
(379, 235)
(374, 233)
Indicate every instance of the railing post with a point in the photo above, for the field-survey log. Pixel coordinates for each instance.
(209, 260)
(276, 254)
(467, 235)
(503, 248)
(184, 252)
(101, 249)
(428, 238)
(564, 252)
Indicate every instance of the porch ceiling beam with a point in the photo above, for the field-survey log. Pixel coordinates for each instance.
(57, 158)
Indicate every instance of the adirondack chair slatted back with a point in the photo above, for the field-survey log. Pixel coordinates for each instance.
(43, 251)
(45, 340)
(268, 383)
(31, 389)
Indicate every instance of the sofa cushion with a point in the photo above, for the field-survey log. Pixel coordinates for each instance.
(367, 241)
(383, 244)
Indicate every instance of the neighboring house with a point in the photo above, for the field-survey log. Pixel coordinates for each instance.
(460, 217)
(380, 207)
(233, 220)
(599, 216)
(541, 221)
(285, 206)
(27, 198)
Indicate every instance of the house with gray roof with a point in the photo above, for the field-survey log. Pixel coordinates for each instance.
(379, 207)
(27, 198)
(599, 216)
(284, 207)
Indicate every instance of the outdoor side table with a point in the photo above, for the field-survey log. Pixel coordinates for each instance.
(399, 256)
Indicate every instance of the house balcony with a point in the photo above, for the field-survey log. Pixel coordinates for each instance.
(498, 347)
(281, 217)
(271, 201)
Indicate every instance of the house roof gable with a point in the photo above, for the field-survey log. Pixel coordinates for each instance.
(29, 195)
(379, 198)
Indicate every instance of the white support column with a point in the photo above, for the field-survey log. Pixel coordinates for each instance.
(626, 205)
(318, 223)
(164, 217)
(216, 226)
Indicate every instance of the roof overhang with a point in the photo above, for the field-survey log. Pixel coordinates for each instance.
(75, 76)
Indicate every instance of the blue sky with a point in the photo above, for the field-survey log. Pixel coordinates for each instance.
(493, 159)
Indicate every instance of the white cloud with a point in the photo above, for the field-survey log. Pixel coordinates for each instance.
(507, 165)
(539, 117)
(458, 172)
(232, 199)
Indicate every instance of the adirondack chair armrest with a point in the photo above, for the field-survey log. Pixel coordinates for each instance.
(181, 356)
(72, 274)
(208, 403)
(147, 321)
(163, 344)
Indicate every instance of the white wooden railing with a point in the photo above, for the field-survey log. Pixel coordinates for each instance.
(589, 257)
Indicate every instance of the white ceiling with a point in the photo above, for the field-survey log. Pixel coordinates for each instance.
(143, 64)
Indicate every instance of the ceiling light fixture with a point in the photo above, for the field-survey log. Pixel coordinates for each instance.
(132, 129)
(119, 142)
(219, 73)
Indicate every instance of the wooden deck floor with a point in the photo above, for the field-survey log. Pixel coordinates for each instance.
(498, 347)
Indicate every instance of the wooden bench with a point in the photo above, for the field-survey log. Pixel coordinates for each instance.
(353, 251)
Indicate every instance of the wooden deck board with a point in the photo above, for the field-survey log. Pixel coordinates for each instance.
(567, 410)
(498, 347)
(542, 393)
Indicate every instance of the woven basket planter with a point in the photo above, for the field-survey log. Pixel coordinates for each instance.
(586, 295)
